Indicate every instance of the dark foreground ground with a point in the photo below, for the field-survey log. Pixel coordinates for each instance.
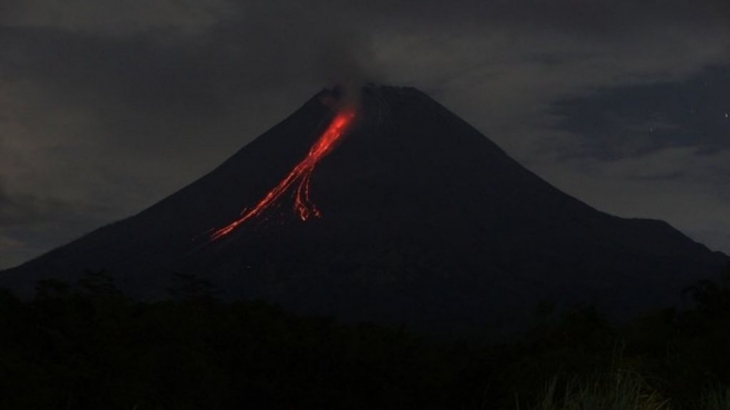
(93, 348)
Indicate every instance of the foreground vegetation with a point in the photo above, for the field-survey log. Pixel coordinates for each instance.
(93, 348)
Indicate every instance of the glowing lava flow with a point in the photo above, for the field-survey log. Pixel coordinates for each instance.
(301, 174)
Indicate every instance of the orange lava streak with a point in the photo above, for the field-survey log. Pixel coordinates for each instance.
(302, 173)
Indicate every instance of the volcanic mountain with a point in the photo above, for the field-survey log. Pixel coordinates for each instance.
(406, 214)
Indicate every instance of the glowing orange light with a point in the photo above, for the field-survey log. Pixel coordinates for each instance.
(301, 174)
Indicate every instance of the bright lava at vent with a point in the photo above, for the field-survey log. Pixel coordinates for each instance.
(300, 176)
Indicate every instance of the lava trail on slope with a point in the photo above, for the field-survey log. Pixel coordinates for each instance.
(300, 175)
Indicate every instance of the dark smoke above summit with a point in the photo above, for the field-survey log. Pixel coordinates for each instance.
(424, 221)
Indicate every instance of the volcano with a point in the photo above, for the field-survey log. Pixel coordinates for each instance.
(409, 215)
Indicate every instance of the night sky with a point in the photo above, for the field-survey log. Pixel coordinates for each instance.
(107, 106)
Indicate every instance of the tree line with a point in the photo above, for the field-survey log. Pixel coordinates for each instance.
(88, 346)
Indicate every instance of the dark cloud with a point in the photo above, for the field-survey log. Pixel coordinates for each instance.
(635, 120)
(164, 82)
(113, 17)
(82, 68)
(110, 105)
(31, 223)
(20, 216)
(23, 210)
(604, 19)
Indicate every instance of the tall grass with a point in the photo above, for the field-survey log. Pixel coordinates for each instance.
(717, 398)
(617, 390)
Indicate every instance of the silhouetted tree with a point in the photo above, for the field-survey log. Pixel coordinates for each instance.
(190, 287)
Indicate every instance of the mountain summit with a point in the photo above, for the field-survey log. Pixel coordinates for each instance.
(410, 216)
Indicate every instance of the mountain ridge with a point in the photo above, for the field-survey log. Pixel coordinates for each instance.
(425, 220)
